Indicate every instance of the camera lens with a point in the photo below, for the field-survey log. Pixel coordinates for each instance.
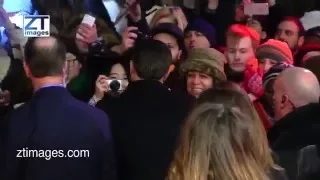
(114, 85)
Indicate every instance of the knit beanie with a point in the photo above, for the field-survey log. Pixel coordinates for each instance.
(205, 60)
(275, 50)
(274, 72)
(202, 26)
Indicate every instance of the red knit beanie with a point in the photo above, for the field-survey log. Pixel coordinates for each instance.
(275, 50)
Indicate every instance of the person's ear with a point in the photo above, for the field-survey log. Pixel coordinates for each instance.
(170, 69)
(179, 55)
(285, 102)
(65, 67)
(263, 35)
(26, 69)
(132, 69)
(65, 70)
(301, 41)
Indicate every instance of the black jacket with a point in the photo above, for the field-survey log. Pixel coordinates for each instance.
(309, 163)
(54, 120)
(296, 130)
(146, 122)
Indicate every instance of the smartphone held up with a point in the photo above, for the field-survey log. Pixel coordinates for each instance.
(252, 9)
(87, 19)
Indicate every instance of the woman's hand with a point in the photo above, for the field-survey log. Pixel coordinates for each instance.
(181, 18)
(128, 38)
(85, 36)
(135, 11)
(101, 87)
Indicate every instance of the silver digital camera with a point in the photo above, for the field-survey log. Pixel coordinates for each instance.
(115, 85)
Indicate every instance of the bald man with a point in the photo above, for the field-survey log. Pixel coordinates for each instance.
(297, 110)
(55, 136)
(294, 88)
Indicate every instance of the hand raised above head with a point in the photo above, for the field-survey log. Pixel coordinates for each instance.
(87, 34)
(4, 17)
(129, 37)
(181, 18)
(134, 11)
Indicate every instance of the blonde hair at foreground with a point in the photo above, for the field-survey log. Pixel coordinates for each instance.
(222, 141)
(162, 13)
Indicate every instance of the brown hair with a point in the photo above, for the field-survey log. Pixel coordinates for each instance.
(238, 31)
(223, 139)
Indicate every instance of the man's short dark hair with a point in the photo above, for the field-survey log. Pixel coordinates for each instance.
(298, 23)
(151, 59)
(45, 61)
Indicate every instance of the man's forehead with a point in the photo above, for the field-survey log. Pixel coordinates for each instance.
(288, 25)
(239, 43)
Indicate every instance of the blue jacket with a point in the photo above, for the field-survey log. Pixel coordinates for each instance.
(53, 123)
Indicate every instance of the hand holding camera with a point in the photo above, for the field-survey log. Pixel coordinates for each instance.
(129, 37)
(105, 85)
(101, 87)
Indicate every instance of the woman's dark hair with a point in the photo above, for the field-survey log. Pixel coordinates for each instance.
(124, 65)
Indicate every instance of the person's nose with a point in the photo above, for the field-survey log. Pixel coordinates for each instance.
(281, 36)
(237, 56)
(193, 37)
(266, 68)
(196, 80)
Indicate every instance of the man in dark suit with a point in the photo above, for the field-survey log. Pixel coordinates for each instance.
(147, 117)
(55, 125)
(296, 106)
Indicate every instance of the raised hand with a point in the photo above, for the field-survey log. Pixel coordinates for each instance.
(101, 87)
(128, 38)
(135, 11)
(87, 34)
(181, 18)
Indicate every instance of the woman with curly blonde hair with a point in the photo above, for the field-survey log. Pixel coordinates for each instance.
(223, 139)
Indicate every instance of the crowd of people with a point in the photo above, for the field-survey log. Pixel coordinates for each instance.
(178, 95)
